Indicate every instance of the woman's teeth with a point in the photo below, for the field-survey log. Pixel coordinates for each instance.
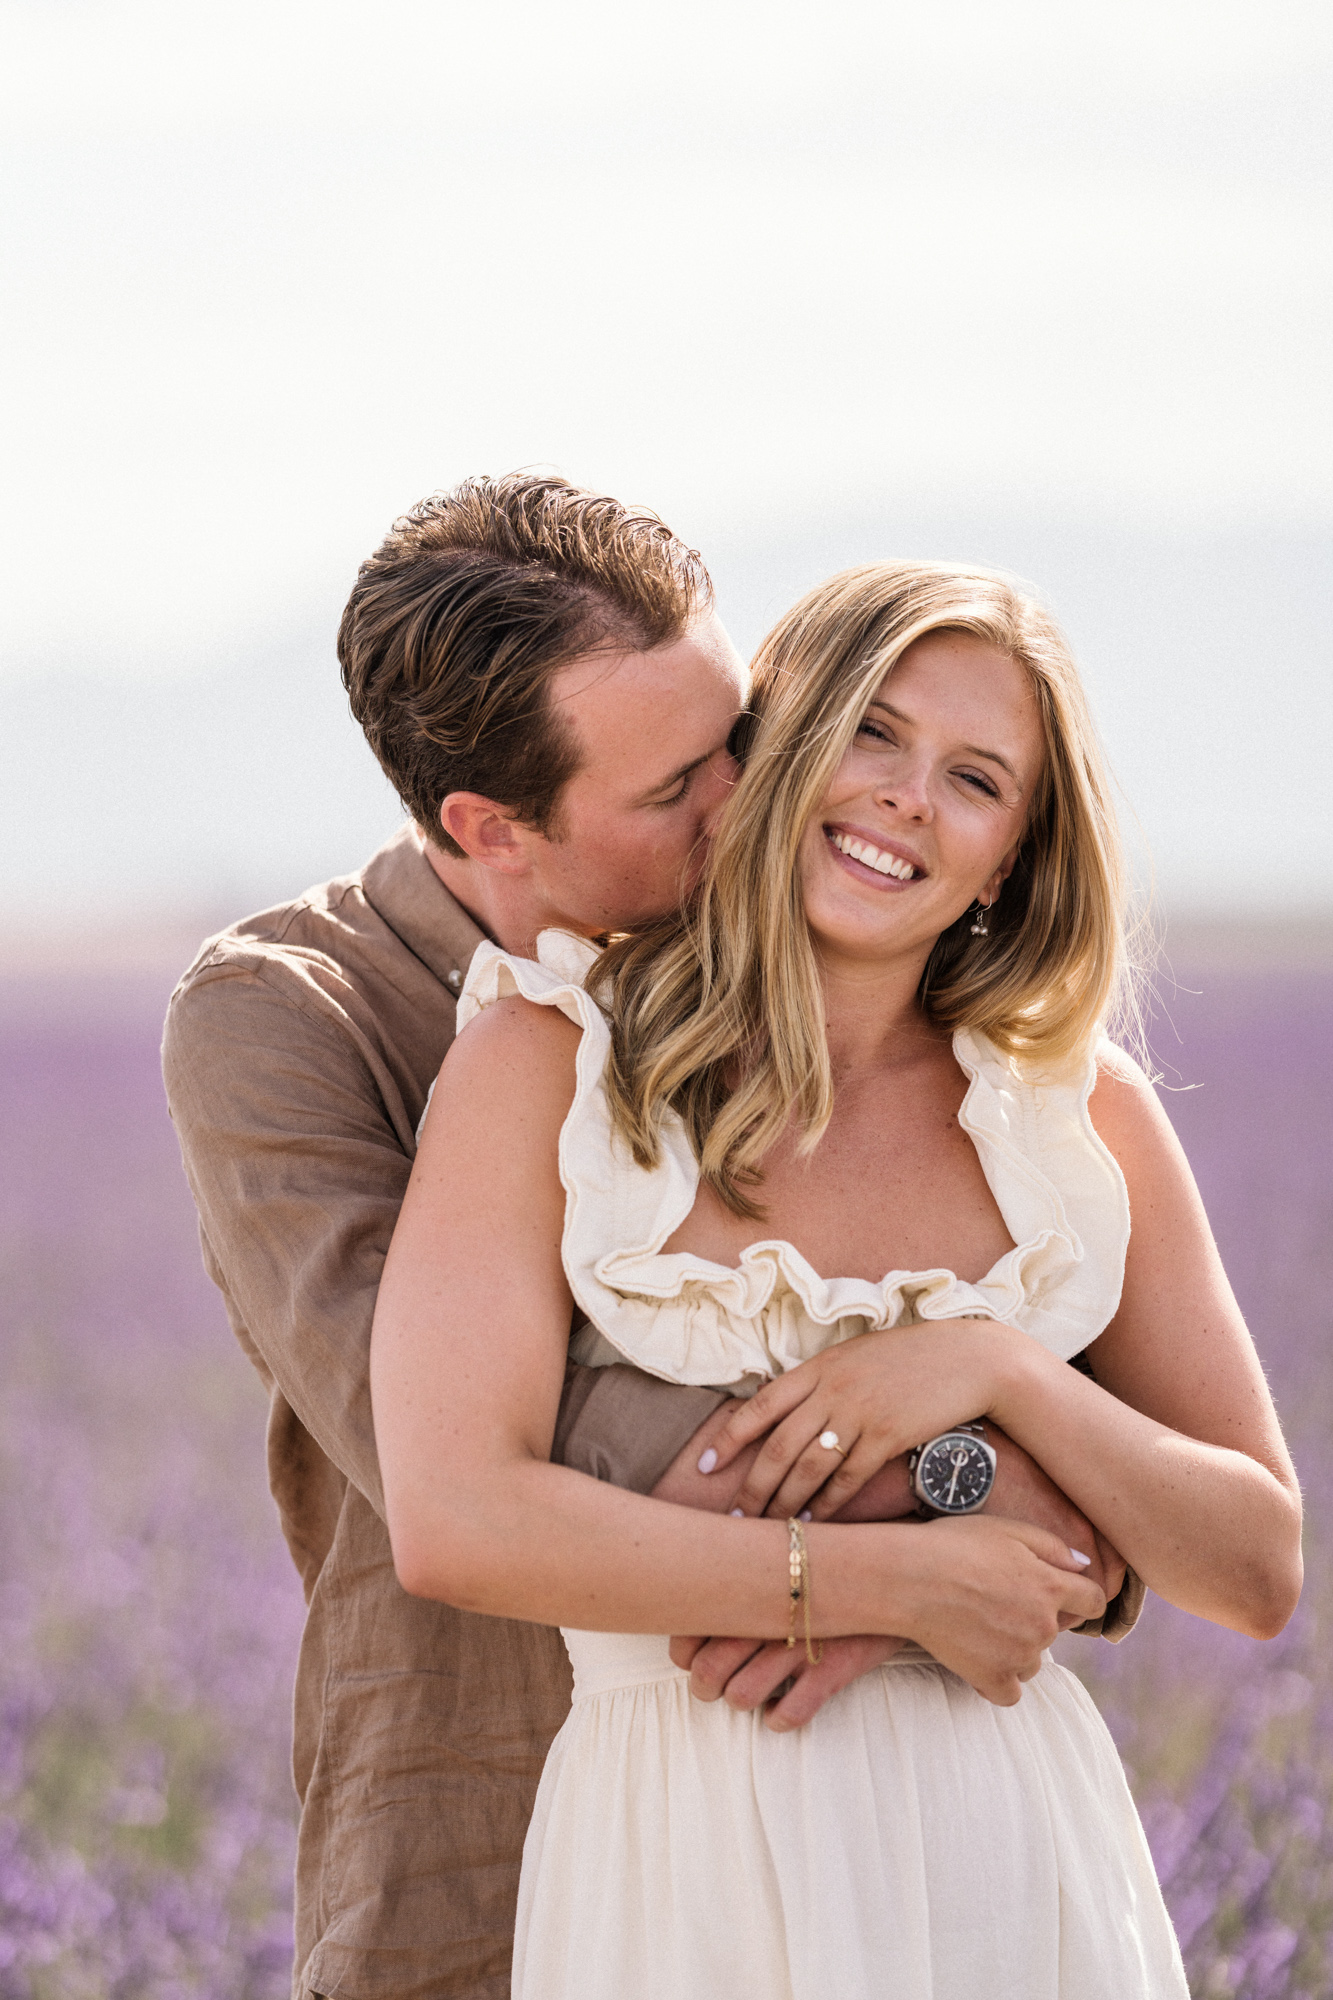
(871, 857)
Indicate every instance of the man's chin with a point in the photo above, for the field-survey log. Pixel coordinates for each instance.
(643, 917)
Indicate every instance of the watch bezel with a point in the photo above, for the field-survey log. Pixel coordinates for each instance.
(960, 1434)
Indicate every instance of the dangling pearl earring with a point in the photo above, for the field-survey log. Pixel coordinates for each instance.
(979, 928)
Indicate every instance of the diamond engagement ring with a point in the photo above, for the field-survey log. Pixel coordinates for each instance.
(829, 1440)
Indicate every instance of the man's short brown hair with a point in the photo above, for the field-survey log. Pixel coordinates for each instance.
(462, 615)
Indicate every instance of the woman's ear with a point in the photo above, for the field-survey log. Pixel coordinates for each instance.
(487, 833)
(1006, 868)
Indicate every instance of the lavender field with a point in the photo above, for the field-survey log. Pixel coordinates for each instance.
(149, 1616)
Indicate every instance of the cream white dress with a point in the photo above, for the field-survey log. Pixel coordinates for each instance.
(914, 1842)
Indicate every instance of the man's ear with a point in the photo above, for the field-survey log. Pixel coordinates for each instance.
(487, 832)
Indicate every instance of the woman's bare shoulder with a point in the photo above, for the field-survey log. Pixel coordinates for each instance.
(515, 1022)
(1128, 1117)
(514, 1047)
(515, 1030)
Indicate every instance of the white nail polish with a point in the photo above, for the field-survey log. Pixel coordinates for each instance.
(738, 1513)
(805, 1515)
(1080, 1558)
(708, 1460)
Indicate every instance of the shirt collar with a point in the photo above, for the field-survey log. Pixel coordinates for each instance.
(401, 886)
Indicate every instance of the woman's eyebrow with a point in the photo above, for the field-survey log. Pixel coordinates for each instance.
(971, 749)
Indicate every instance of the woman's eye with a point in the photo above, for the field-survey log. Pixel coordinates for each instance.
(675, 797)
(874, 729)
(981, 784)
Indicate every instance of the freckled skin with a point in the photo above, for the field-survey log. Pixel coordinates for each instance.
(913, 780)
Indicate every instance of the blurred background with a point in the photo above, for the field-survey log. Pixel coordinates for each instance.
(1043, 286)
(1024, 283)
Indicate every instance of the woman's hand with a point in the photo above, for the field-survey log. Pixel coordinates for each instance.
(1023, 1492)
(749, 1673)
(985, 1598)
(991, 1596)
(879, 1395)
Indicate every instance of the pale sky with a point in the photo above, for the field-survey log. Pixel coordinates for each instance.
(1035, 283)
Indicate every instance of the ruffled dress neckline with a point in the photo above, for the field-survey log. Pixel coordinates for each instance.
(687, 1319)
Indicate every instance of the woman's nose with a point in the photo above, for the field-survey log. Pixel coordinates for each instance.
(907, 792)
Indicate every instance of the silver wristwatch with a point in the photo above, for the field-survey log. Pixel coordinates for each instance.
(954, 1472)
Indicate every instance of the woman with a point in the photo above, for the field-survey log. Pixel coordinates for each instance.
(874, 1049)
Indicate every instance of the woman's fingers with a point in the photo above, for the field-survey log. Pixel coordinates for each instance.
(1059, 1555)
(795, 1468)
(750, 1420)
(994, 1594)
(773, 1462)
(824, 1479)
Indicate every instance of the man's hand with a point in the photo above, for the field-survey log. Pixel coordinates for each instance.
(748, 1674)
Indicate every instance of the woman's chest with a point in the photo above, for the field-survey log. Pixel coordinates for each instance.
(894, 1185)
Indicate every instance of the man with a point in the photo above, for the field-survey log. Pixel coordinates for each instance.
(540, 672)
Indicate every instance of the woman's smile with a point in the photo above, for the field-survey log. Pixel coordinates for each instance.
(930, 800)
(875, 855)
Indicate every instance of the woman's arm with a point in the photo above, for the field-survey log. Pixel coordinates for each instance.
(467, 1359)
(1174, 1452)
(1021, 1492)
(1221, 1512)
(750, 1674)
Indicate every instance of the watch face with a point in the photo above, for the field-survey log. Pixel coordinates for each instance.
(955, 1473)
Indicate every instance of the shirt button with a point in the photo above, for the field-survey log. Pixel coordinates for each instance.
(454, 979)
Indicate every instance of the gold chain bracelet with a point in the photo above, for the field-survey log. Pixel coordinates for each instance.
(798, 1569)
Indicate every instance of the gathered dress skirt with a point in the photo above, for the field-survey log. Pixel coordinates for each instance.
(913, 1842)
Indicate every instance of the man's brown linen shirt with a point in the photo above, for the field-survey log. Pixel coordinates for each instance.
(299, 1049)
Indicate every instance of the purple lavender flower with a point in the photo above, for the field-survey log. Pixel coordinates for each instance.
(149, 1615)
(1229, 1741)
(148, 1611)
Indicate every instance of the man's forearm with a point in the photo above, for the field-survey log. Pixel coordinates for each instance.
(628, 1428)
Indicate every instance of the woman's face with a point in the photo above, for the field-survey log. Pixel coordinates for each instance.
(934, 792)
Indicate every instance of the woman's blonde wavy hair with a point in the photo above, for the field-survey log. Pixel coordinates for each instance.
(721, 1016)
